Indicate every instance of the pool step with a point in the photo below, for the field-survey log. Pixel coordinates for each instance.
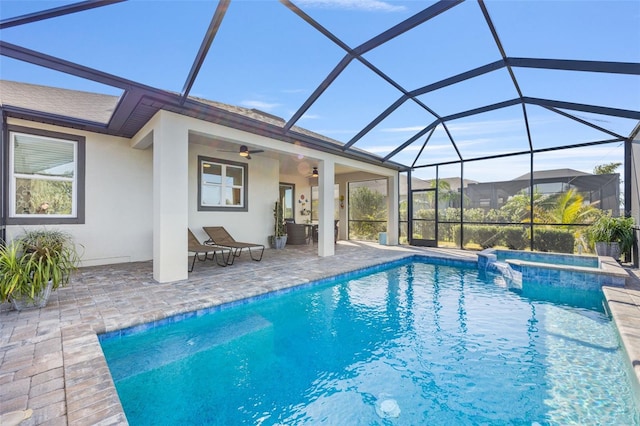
(172, 348)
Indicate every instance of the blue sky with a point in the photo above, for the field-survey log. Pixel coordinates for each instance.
(266, 57)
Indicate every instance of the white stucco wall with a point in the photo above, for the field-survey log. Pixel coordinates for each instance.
(118, 200)
(253, 225)
(119, 208)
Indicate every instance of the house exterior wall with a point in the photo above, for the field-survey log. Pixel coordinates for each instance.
(253, 225)
(118, 200)
(119, 188)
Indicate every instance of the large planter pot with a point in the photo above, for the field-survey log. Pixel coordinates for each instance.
(40, 301)
(608, 249)
(277, 243)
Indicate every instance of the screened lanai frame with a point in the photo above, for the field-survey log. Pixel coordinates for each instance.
(358, 50)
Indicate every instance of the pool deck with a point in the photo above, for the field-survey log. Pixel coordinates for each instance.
(51, 364)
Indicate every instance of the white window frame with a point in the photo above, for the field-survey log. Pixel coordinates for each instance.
(223, 164)
(77, 181)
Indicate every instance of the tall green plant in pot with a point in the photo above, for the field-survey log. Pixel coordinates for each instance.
(612, 235)
(279, 238)
(33, 265)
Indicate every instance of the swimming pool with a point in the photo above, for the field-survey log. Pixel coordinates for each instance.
(406, 343)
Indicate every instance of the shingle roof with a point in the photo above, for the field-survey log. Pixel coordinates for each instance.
(552, 174)
(87, 106)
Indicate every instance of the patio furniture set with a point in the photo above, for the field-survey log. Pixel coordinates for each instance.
(222, 244)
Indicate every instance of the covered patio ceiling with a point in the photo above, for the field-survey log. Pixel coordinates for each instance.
(402, 84)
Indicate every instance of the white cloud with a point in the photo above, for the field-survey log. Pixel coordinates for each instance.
(364, 5)
(486, 127)
(310, 117)
(264, 106)
(412, 129)
(380, 149)
(474, 127)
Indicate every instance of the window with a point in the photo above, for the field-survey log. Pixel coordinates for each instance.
(287, 194)
(222, 185)
(46, 177)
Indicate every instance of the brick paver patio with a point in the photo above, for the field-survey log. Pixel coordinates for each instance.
(51, 364)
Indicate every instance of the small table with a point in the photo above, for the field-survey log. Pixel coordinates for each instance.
(311, 229)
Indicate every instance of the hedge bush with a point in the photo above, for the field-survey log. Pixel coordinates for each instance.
(515, 237)
(556, 240)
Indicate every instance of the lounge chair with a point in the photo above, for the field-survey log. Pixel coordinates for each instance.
(198, 250)
(220, 237)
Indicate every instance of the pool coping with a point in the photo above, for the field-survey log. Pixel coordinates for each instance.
(608, 266)
(137, 328)
(624, 307)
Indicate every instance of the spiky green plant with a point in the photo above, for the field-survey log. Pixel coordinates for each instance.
(613, 229)
(31, 261)
(279, 228)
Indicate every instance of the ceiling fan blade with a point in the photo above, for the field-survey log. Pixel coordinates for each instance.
(243, 151)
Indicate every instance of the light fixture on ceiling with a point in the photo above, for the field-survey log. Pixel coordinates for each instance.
(244, 151)
(314, 173)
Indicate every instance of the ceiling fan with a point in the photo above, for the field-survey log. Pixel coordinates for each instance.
(244, 151)
(314, 172)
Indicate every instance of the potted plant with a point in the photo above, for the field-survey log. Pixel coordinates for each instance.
(279, 238)
(34, 264)
(612, 235)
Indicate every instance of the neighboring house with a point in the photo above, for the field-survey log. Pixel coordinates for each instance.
(127, 176)
(602, 191)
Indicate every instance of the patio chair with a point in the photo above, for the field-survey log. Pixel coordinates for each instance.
(220, 237)
(335, 232)
(198, 250)
(298, 233)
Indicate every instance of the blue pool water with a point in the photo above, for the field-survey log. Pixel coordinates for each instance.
(552, 258)
(413, 344)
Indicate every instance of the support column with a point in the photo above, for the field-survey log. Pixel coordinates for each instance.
(326, 245)
(393, 207)
(170, 198)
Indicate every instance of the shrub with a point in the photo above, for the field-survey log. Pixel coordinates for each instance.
(468, 234)
(484, 235)
(555, 240)
(613, 229)
(487, 235)
(514, 237)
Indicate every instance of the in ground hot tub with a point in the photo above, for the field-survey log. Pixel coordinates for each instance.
(557, 269)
